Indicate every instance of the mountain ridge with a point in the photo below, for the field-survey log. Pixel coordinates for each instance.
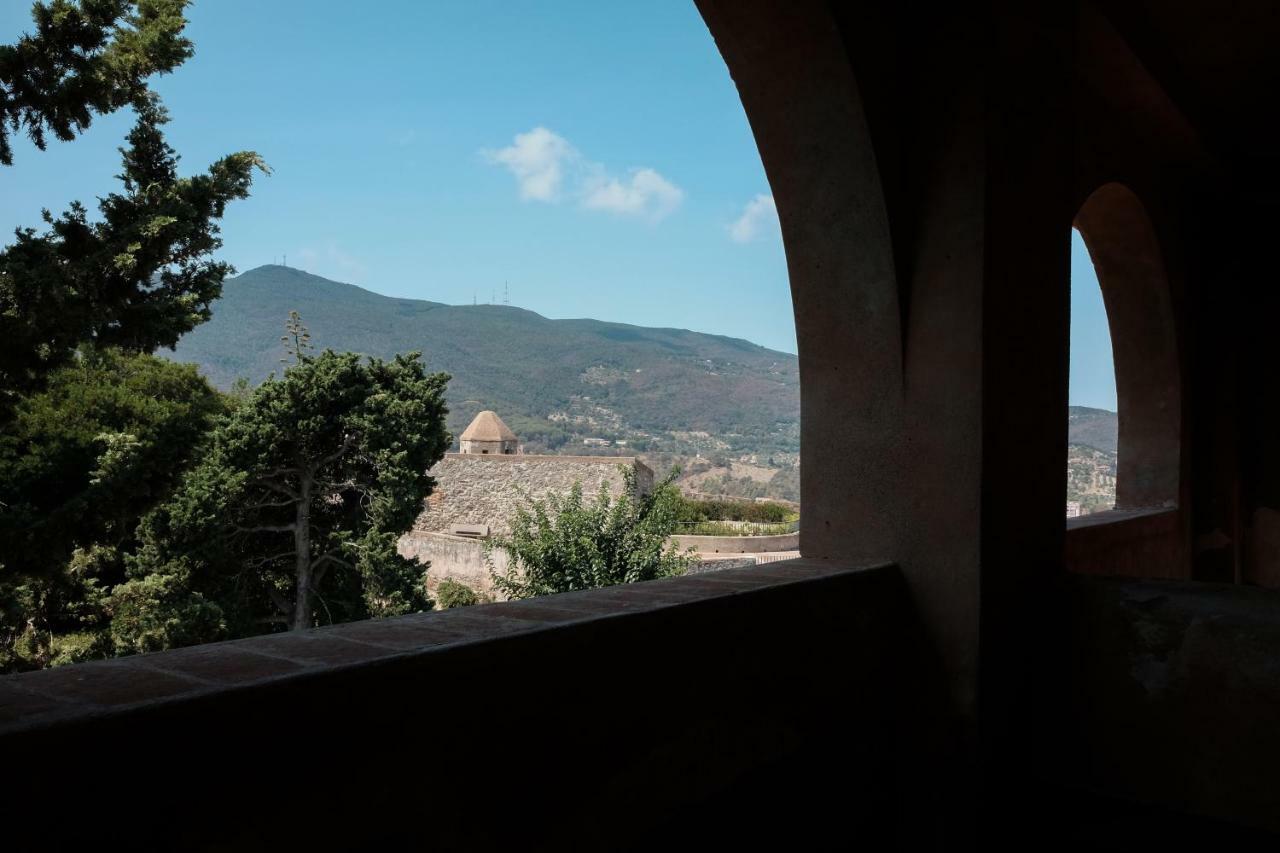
(560, 379)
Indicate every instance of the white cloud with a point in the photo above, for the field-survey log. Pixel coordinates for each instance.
(759, 215)
(647, 194)
(548, 168)
(538, 160)
(330, 262)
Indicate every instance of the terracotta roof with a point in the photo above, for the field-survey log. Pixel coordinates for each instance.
(488, 427)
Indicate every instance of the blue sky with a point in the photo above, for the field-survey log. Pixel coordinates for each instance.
(1093, 375)
(594, 156)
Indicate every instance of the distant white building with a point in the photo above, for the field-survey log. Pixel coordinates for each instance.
(1074, 509)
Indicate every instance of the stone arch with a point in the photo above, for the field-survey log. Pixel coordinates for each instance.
(798, 89)
(1127, 257)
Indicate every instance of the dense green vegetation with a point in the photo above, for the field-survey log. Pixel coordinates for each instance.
(292, 514)
(623, 381)
(137, 278)
(698, 509)
(144, 510)
(80, 463)
(95, 431)
(566, 542)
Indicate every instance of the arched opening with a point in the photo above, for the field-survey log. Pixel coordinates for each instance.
(1091, 412)
(841, 269)
(602, 264)
(1125, 253)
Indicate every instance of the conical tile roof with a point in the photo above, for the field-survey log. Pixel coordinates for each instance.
(487, 426)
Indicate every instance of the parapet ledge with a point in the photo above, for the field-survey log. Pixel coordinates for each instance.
(81, 692)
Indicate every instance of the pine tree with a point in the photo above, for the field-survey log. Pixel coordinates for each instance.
(292, 516)
(85, 57)
(137, 279)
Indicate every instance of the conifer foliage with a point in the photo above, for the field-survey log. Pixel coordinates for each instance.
(85, 57)
(137, 279)
(291, 517)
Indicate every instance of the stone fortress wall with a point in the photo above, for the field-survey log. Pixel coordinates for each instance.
(480, 494)
(456, 558)
(472, 489)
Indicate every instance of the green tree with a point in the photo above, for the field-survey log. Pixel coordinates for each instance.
(292, 516)
(564, 542)
(85, 57)
(80, 463)
(137, 279)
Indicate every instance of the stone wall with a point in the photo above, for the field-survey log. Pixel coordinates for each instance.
(431, 708)
(457, 558)
(475, 489)
(486, 491)
(739, 544)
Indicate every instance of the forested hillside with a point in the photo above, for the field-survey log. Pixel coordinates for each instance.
(554, 381)
(1096, 428)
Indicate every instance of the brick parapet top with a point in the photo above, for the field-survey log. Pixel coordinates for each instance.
(72, 694)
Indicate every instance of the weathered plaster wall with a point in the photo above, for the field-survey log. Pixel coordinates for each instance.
(1170, 697)
(1128, 543)
(490, 489)
(457, 558)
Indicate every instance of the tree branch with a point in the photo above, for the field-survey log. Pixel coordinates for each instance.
(328, 557)
(267, 504)
(267, 528)
(347, 442)
(276, 487)
(258, 562)
(278, 600)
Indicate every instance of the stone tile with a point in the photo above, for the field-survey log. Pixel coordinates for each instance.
(480, 621)
(17, 705)
(224, 663)
(600, 602)
(734, 578)
(317, 647)
(531, 610)
(406, 633)
(108, 683)
(639, 598)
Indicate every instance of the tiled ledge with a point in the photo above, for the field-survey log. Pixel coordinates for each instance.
(70, 694)
(1116, 516)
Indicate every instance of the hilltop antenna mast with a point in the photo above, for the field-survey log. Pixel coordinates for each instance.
(506, 294)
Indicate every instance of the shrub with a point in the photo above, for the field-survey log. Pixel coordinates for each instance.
(698, 509)
(567, 542)
(451, 593)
